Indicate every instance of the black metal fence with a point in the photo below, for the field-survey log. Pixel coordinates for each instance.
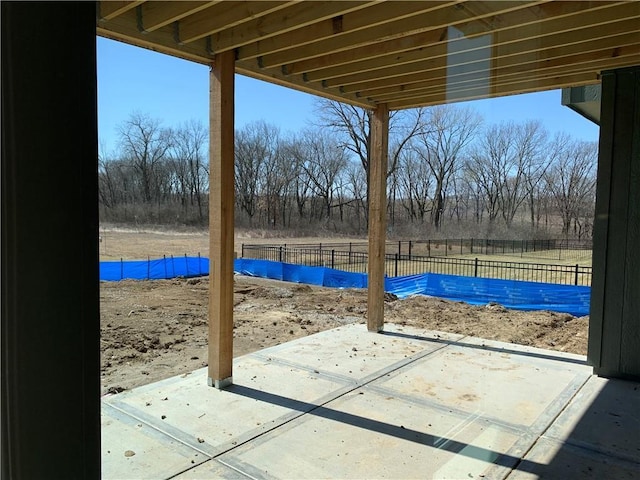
(399, 264)
(549, 249)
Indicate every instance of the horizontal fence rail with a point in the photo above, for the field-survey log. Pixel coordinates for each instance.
(549, 249)
(398, 264)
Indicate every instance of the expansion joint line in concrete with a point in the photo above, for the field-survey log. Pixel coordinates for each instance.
(330, 398)
(546, 428)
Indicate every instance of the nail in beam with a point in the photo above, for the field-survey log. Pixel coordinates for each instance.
(221, 210)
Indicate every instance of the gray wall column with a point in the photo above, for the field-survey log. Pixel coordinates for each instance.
(614, 331)
(50, 336)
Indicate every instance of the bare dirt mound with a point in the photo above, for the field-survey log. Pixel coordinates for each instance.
(156, 329)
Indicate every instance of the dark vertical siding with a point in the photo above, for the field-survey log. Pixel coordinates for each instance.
(614, 333)
(50, 371)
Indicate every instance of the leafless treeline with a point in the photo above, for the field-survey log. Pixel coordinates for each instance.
(158, 175)
(448, 173)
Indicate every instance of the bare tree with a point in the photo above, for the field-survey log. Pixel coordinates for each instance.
(255, 146)
(323, 161)
(532, 148)
(506, 163)
(353, 126)
(357, 185)
(451, 129)
(415, 185)
(571, 181)
(188, 160)
(145, 144)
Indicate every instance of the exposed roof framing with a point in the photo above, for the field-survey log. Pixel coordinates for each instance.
(402, 53)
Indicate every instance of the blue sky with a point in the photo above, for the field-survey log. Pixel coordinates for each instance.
(174, 91)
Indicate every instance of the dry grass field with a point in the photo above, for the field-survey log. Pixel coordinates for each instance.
(152, 330)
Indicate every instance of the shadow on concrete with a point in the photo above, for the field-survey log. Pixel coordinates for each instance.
(397, 431)
(596, 436)
(458, 343)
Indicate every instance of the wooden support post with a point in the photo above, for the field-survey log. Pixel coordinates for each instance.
(377, 216)
(221, 206)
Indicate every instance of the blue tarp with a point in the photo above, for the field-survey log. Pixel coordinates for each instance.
(323, 276)
(513, 294)
(162, 268)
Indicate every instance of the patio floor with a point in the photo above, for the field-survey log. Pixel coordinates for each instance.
(407, 403)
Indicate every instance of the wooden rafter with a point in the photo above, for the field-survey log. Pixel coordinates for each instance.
(296, 16)
(155, 14)
(223, 16)
(111, 10)
(435, 20)
(335, 27)
(519, 51)
(583, 54)
(524, 36)
(401, 53)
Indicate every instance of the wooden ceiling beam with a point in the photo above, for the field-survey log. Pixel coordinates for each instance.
(436, 20)
(530, 22)
(157, 14)
(525, 86)
(500, 55)
(454, 91)
(394, 47)
(111, 10)
(496, 50)
(124, 28)
(297, 16)
(596, 50)
(501, 76)
(224, 16)
(392, 52)
(374, 15)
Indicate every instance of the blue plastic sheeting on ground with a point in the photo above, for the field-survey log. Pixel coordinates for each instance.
(322, 276)
(162, 268)
(512, 294)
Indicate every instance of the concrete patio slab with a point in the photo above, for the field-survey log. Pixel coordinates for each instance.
(407, 403)
(135, 449)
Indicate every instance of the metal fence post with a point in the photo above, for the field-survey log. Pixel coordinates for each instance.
(446, 247)
(475, 268)
(396, 267)
(243, 250)
(280, 255)
(410, 245)
(577, 266)
(333, 258)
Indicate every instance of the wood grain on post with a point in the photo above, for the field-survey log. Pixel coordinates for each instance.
(377, 216)
(221, 212)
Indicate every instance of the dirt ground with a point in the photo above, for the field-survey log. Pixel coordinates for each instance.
(152, 330)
